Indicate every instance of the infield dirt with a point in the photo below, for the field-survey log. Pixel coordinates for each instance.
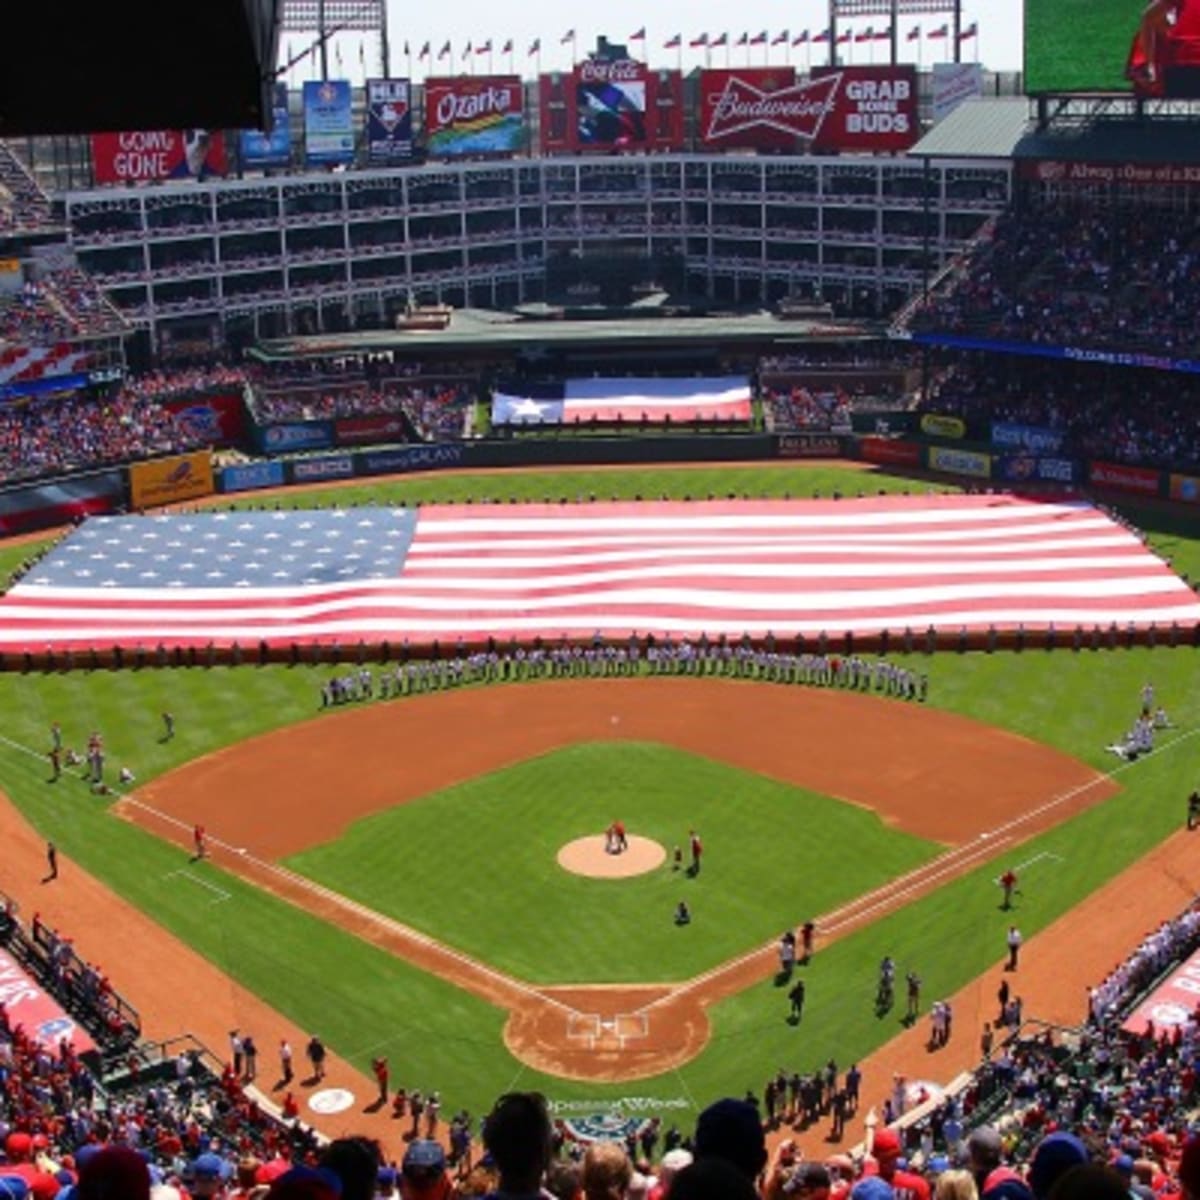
(977, 789)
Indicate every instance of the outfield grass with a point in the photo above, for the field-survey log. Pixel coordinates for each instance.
(498, 873)
(1078, 45)
(363, 1001)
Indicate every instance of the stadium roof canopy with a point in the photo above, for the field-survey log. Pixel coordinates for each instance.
(1078, 129)
(476, 331)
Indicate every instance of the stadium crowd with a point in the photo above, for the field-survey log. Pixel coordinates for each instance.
(62, 303)
(1080, 275)
(53, 435)
(1102, 413)
(435, 412)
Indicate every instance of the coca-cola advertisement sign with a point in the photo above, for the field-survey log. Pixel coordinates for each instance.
(874, 110)
(611, 104)
(478, 114)
(847, 109)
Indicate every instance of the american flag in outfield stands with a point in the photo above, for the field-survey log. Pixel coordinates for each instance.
(724, 567)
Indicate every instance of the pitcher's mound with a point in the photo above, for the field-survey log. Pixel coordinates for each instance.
(587, 856)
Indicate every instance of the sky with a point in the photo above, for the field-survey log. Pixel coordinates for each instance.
(998, 46)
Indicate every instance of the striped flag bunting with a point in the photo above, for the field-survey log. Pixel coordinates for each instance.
(524, 571)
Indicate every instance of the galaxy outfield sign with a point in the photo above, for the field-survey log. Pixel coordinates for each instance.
(851, 109)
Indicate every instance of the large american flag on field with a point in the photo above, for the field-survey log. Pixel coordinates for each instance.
(715, 567)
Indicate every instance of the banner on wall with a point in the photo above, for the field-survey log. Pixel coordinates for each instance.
(28, 1005)
(218, 420)
(939, 425)
(873, 110)
(389, 121)
(1036, 439)
(169, 480)
(954, 83)
(272, 149)
(328, 122)
(1120, 478)
(330, 466)
(1032, 468)
(477, 114)
(151, 156)
(296, 435)
(246, 477)
(890, 452)
(960, 462)
(1185, 488)
(378, 427)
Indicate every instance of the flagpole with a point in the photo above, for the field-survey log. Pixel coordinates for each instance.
(408, 59)
(727, 51)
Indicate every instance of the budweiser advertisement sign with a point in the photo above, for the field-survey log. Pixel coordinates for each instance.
(611, 104)
(477, 114)
(844, 109)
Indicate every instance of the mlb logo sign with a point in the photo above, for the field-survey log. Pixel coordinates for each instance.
(389, 120)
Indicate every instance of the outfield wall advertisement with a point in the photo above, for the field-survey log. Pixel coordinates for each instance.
(151, 156)
(960, 462)
(477, 114)
(328, 122)
(1113, 45)
(169, 480)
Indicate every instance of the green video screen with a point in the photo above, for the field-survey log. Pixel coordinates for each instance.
(1079, 45)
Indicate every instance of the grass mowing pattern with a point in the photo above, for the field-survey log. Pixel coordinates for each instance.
(497, 872)
(1079, 45)
(364, 1002)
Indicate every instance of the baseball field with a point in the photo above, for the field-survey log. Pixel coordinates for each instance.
(387, 874)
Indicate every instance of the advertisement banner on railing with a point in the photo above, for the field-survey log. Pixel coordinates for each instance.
(890, 451)
(218, 420)
(1032, 468)
(150, 156)
(169, 480)
(247, 477)
(328, 122)
(1080, 354)
(476, 114)
(296, 435)
(412, 458)
(960, 462)
(389, 121)
(938, 425)
(809, 445)
(329, 466)
(1185, 488)
(28, 1006)
(1034, 438)
(362, 431)
(1172, 1003)
(1117, 477)
(272, 149)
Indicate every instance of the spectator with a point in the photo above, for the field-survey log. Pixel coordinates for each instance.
(519, 1137)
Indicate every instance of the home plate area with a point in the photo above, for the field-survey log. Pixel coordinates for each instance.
(592, 1031)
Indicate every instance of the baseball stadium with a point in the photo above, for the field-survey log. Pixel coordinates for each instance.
(608, 634)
